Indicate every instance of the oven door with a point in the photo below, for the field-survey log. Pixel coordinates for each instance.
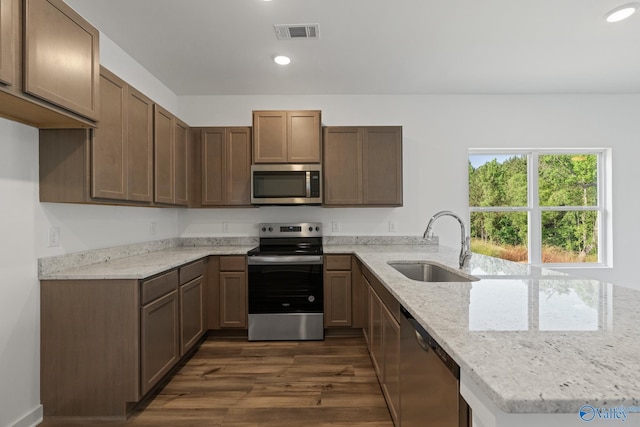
(286, 299)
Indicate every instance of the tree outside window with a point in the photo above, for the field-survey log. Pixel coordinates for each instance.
(537, 206)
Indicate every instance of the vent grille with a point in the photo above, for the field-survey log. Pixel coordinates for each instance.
(297, 31)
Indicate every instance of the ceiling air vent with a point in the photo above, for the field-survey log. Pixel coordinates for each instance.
(297, 31)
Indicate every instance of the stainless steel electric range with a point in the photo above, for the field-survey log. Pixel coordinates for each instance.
(285, 283)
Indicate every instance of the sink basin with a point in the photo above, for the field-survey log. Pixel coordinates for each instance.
(430, 272)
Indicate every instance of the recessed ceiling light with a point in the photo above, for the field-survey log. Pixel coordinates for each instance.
(281, 59)
(622, 12)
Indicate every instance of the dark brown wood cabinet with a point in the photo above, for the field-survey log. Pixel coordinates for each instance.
(286, 136)
(107, 343)
(7, 43)
(233, 292)
(37, 85)
(122, 147)
(225, 176)
(227, 292)
(192, 304)
(159, 338)
(383, 333)
(52, 31)
(171, 161)
(139, 146)
(111, 164)
(362, 166)
(337, 290)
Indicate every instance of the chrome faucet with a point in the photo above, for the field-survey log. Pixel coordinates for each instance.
(465, 249)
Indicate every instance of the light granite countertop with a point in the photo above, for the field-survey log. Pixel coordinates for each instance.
(533, 340)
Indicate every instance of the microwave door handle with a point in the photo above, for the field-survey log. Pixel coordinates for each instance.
(308, 175)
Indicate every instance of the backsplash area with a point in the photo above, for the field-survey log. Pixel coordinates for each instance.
(56, 264)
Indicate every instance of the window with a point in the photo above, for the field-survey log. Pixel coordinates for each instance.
(539, 206)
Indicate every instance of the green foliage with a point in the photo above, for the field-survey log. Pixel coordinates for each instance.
(563, 180)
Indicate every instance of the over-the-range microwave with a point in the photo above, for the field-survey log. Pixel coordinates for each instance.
(284, 184)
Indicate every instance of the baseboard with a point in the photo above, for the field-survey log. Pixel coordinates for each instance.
(31, 419)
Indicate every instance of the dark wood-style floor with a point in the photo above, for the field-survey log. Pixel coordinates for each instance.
(234, 383)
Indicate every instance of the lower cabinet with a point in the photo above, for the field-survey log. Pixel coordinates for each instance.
(227, 301)
(383, 338)
(337, 290)
(159, 337)
(107, 343)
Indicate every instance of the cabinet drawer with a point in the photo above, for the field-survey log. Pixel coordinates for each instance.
(338, 262)
(191, 271)
(233, 263)
(158, 286)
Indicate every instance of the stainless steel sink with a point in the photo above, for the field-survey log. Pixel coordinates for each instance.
(429, 272)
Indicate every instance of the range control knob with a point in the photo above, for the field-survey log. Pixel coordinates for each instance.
(311, 298)
(310, 228)
(317, 228)
(264, 229)
(270, 228)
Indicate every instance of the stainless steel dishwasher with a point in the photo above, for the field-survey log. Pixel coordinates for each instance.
(429, 380)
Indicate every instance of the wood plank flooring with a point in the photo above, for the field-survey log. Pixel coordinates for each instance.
(234, 383)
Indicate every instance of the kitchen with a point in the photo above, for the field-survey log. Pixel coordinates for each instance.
(438, 130)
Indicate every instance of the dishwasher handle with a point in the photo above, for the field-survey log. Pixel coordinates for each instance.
(427, 343)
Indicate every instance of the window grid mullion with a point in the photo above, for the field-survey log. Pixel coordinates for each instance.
(535, 218)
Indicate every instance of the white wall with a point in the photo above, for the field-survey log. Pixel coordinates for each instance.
(24, 226)
(438, 131)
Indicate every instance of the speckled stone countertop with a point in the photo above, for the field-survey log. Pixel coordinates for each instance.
(534, 340)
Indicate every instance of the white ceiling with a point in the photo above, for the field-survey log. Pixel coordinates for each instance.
(225, 47)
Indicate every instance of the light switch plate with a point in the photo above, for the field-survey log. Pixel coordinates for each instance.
(393, 226)
(335, 226)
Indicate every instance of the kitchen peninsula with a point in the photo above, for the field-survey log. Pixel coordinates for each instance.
(533, 345)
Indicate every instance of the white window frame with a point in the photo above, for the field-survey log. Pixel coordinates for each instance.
(534, 210)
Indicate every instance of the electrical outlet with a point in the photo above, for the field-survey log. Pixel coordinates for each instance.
(225, 227)
(153, 228)
(335, 226)
(54, 237)
(393, 226)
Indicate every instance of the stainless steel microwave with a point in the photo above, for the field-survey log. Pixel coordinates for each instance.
(283, 184)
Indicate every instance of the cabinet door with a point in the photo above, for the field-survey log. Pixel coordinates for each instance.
(109, 146)
(382, 166)
(342, 161)
(375, 333)
(213, 167)
(181, 170)
(233, 299)
(7, 42)
(139, 145)
(269, 137)
(303, 136)
(52, 30)
(191, 313)
(337, 298)
(238, 167)
(164, 137)
(159, 339)
(391, 357)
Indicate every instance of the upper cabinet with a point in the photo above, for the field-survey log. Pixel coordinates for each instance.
(49, 65)
(7, 42)
(362, 166)
(225, 167)
(62, 64)
(122, 147)
(139, 155)
(171, 158)
(286, 136)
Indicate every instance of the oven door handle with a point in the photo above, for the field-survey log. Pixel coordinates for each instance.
(284, 259)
